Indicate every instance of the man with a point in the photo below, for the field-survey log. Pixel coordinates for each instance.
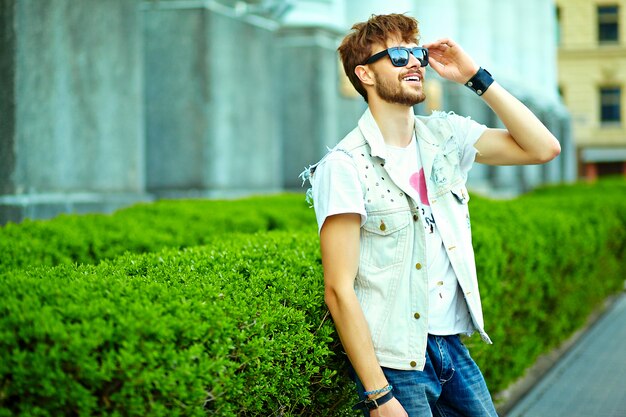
(391, 204)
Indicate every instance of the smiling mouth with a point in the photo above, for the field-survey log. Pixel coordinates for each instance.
(413, 78)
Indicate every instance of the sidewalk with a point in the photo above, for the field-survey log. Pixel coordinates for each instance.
(590, 379)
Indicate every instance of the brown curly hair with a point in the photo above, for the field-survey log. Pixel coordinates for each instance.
(356, 47)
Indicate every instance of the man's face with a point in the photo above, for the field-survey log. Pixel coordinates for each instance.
(398, 85)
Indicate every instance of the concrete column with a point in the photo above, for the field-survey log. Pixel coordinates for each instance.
(315, 112)
(432, 25)
(326, 14)
(361, 10)
(538, 39)
(556, 120)
(7, 110)
(475, 34)
(7, 98)
(74, 139)
(211, 101)
(568, 157)
(506, 24)
(177, 91)
(244, 101)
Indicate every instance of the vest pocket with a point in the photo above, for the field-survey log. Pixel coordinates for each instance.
(384, 238)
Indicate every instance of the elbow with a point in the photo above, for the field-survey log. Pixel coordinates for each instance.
(551, 151)
(334, 297)
(331, 298)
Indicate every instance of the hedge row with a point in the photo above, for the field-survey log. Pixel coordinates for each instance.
(144, 228)
(234, 328)
(238, 327)
(545, 261)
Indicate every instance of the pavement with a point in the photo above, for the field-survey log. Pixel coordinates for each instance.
(589, 379)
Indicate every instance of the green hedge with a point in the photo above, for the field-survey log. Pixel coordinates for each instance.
(144, 228)
(545, 261)
(237, 326)
(234, 328)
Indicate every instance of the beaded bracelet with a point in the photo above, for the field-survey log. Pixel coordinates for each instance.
(379, 391)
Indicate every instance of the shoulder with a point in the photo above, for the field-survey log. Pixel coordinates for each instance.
(351, 142)
(338, 160)
(343, 153)
(448, 125)
(441, 120)
(456, 121)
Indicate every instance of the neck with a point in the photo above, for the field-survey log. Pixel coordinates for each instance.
(395, 121)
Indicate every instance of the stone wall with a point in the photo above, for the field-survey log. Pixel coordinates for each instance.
(103, 104)
(212, 104)
(75, 105)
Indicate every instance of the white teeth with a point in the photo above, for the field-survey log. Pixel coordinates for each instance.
(412, 79)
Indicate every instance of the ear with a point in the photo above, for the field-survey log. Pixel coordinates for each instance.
(365, 74)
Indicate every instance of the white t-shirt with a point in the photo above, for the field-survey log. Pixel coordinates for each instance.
(445, 314)
(338, 190)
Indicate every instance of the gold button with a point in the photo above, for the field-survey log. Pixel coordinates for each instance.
(415, 217)
(440, 283)
(413, 364)
(416, 315)
(382, 226)
(418, 266)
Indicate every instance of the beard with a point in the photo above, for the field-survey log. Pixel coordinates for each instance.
(395, 93)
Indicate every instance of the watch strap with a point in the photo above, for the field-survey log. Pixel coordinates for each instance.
(368, 404)
(480, 82)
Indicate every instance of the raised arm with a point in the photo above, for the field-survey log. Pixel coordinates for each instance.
(524, 141)
(340, 246)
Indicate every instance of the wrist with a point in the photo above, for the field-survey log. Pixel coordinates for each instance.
(480, 82)
(378, 393)
(373, 404)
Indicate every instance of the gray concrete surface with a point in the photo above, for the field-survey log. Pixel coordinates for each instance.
(590, 379)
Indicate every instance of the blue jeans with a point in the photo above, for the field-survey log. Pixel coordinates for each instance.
(451, 385)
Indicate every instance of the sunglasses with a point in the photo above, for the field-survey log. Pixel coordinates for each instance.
(399, 55)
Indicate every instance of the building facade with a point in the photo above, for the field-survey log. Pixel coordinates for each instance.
(592, 81)
(103, 104)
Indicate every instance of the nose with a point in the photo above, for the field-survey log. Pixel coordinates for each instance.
(413, 61)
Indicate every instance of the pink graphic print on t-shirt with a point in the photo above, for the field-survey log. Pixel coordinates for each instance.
(418, 182)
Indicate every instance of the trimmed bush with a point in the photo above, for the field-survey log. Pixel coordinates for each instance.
(234, 328)
(238, 327)
(545, 262)
(144, 228)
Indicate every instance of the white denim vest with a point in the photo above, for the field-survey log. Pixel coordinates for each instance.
(392, 282)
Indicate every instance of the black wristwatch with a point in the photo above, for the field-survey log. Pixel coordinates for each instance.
(368, 404)
(480, 82)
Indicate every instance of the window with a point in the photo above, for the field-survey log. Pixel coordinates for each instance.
(610, 104)
(608, 19)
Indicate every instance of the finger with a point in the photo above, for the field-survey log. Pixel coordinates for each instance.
(436, 53)
(447, 41)
(435, 47)
(441, 43)
(440, 58)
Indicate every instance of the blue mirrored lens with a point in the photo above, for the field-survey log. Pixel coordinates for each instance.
(400, 56)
